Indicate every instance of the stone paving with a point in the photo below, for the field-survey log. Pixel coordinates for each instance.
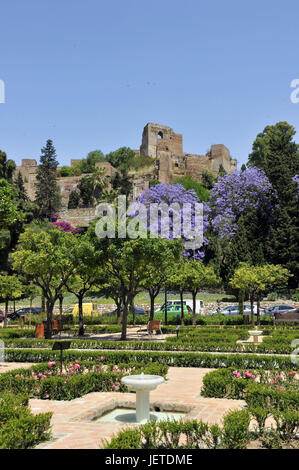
(74, 425)
(7, 366)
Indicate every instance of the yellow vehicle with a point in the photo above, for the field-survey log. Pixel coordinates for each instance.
(89, 309)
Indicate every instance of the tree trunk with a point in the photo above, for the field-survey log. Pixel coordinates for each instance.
(81, 325)
(252, 313)
(194, 308)
(124, 320)
(132, 311)
(5, 313)
(182, 309)
(30, 314)
(152, 310)
(258, 317)
(60, 304)
(118, 312)
(43, 301)
(48, 328)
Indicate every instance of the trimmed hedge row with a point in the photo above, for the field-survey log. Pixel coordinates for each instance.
(68, 387)
(186, 359)
(222, 384)
(189, 434)
(19, 428)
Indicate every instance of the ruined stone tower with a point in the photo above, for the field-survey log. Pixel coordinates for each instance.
(166, 147)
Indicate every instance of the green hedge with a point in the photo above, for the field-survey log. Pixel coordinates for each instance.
(188, 434)
(69, 387)
(19, 428)
(186, 359)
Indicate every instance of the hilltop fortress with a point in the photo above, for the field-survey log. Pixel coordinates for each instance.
(159, 142)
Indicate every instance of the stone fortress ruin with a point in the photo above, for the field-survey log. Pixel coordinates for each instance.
(159, 142)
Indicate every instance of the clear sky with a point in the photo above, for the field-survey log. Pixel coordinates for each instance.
(90, 74)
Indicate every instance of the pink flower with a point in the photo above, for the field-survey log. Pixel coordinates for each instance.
(115, 367)
(76, 361)
(102, 358)
(49, 373)
(77, 366)
(280, 389)
(277, 377)
(292, 373)
(17, 375)
(35, 377)
(38, 390)
(238, 375)
(49, 364)
(40, 374)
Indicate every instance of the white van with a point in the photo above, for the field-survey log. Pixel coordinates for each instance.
(199, 310)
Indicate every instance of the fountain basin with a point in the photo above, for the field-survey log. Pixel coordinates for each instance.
(255, 334)
(142, 384)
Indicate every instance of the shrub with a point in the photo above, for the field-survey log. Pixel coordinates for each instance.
(236, 429)
(19, 428)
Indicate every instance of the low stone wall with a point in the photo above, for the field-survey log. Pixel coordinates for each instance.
(209, 306)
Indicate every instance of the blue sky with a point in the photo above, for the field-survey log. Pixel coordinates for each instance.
(91, 74)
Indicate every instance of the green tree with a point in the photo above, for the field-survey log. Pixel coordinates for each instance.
(45, 257)
(122, 183)
(88, 165)
(19, 184)
(189, 183)
(74, 200)
(7, 167)
(10, 289)
(276, 152)
(258, 280)
(158, 267)
(207, 179)
(47, 191)
(87, 272)
(196, 276)
(121, 158)
(221, 171)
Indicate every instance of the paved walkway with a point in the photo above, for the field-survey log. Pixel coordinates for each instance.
(74, 425)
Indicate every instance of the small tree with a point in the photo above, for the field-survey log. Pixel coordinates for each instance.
(158, 268)
(47, 191)
(45, 257)
(258, 280)
(87, 273)
(10, 289)
(74, 200)
(197, 276)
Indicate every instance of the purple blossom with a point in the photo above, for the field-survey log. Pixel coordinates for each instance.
(171, 194)
(236, 193)
(296, 180)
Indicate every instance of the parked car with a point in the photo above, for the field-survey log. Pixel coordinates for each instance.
(234, 310)
(89, 308)
(173, 311)
(24, 311)
(138, 311)
(189, 304)
(280, 309)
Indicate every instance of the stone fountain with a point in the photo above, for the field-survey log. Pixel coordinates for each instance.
(142, 384)
(255, 333)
